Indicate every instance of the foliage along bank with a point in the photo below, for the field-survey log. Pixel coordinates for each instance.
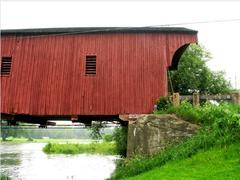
(112, 144)
(92, 148)
(220, 127)
(193, 75)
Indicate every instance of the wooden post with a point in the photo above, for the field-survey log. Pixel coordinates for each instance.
(195, 99)
(170, 98)
(176, 99)
(236, 97)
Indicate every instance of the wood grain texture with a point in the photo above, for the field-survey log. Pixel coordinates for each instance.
(48, 72)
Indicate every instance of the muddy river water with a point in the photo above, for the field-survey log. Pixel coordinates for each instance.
(27, 161)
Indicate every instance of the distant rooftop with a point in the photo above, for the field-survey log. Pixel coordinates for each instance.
(91, 30)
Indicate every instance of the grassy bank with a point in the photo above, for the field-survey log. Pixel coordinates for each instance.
(93, 148)
(4, 177)
(26, 140)
(220, 128)
(215, 163)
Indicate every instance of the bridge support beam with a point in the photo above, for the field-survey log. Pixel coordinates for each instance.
(152, 133)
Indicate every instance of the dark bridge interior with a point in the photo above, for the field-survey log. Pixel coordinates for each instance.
(44, 121)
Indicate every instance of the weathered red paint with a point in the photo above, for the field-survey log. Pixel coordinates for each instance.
(48, 72)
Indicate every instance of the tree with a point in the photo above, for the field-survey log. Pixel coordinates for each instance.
(218, 84)
(95, 131)
(193, 75)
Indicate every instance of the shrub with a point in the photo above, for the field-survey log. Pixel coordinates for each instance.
(221, 126)
(163, 103)
(4, 177)
(120, 138)
(108, 138)
(187, 112)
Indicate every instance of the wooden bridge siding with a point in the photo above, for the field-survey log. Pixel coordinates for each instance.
(48, 73)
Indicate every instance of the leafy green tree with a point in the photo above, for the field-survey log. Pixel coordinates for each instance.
(218, 84)
(95, 131)
(193, 75)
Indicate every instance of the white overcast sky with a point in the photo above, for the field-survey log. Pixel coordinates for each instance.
(221, 39)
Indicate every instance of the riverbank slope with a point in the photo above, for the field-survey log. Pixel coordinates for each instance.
(219, 133)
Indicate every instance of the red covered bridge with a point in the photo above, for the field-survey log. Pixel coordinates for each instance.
(87, 72)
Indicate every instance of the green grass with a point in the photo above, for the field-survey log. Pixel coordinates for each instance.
(204, 140)
(220, 128)
(4, 177)
(216, 163)
(93, 148)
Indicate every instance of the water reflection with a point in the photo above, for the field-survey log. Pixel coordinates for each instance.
(28, 162)
(10, 159)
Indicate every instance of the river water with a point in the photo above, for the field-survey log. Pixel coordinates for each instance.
(27, 161)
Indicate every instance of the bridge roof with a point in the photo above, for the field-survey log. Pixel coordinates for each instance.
(90, 30)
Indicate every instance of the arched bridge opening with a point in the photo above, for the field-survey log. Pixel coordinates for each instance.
(177, 56)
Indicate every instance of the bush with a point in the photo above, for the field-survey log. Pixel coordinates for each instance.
(108, 138)
(163, 103)
(4, 177)
(221, 126)
(186, 111)
(120, 138)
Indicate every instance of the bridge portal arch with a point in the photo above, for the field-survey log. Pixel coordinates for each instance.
(177, 56)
